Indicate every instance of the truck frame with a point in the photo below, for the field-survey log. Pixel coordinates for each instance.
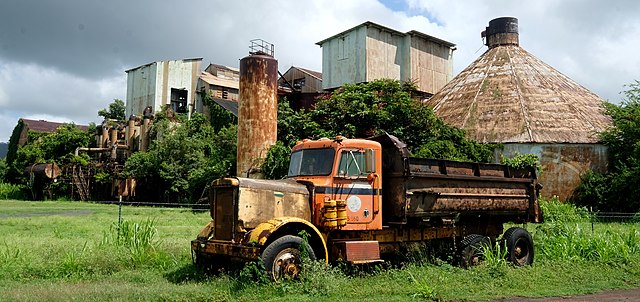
(361, 200)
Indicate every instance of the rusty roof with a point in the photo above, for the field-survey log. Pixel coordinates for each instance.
(46, 126)
(509, 96)
(219, 81)
(315, 74)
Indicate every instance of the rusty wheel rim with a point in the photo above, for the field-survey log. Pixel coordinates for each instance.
(286, 264)
(521, 251)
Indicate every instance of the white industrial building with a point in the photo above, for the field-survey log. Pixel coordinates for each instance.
(163, 83)
(371, 51)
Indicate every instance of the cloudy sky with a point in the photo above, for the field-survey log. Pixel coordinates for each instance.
(64, 60)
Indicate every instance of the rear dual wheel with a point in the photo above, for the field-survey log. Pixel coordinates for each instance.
(519, 246)
(472, 249)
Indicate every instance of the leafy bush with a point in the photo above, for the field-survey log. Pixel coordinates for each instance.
(183, 159)
(556, 211)
(368, 109)
(11, 191)
(276, 165)
(522, 161)
(617, 190)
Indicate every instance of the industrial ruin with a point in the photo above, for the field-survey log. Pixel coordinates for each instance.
(507, 96)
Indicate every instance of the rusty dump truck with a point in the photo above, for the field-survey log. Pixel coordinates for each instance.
(359, 200)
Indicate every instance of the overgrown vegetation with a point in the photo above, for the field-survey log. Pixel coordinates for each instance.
(568, 235)
(373, 108)
(11, 191)
(617, 190)
(115, 111)
(522, 161)
(79, 253)
(218, 116)
(51, 148)
(183, 158)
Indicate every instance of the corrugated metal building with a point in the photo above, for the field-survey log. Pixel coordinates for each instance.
(370, 51)
(223, 83)
(302, 80)
(510, 97)
(163, 83)
(301, 86)
(40, 126)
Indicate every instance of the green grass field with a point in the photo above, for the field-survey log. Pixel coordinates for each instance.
(62, 251)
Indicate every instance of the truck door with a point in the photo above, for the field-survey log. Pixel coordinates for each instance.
(351, 184)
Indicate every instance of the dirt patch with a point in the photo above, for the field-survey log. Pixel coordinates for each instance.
(609, 296)
(51, 213)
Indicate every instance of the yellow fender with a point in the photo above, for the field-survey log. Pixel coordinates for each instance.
(261, 233)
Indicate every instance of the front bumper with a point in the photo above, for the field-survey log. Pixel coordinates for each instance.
(225, 248)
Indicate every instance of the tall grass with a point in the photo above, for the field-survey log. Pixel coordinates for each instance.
(555, 211)
(88, 257)
(569, 235)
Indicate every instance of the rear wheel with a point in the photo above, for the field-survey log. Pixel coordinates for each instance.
(519, 246)
(283, 257)
(472, 249)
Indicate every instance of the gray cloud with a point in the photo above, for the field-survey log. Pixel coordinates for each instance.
(65, 59)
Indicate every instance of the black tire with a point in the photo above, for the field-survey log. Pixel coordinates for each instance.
(471, 250)
(283, 257)
(519, 246)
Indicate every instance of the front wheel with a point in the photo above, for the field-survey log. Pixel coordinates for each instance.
(519, 246)
(283, 257)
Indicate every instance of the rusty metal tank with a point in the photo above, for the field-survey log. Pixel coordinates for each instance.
(257, 108)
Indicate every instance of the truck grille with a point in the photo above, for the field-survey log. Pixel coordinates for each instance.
(224, 212)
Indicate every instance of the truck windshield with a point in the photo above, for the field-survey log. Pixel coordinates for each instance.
(309, 162)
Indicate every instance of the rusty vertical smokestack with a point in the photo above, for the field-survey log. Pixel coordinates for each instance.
(501, 31)
(114, 142)
(105, 135)
(129, 134)
(257, 108)
(144, 128)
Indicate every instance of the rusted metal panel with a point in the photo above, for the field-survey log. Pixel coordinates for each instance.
(257, 111)
(225, 248)
(358, 251)
(431, 65)
(244, 203)
(384, 54)
(420, 188)
(261, 200)
(562, 164)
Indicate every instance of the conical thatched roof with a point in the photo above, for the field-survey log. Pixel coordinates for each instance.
(509, 96)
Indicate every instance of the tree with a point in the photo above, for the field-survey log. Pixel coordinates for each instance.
(617, 190)
(373, 108)
(183, 158)
(115, 111)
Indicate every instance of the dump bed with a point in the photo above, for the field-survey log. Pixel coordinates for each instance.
(420, 189)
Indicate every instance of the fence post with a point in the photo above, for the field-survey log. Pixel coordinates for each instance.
(119, 210)
(591, 215)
